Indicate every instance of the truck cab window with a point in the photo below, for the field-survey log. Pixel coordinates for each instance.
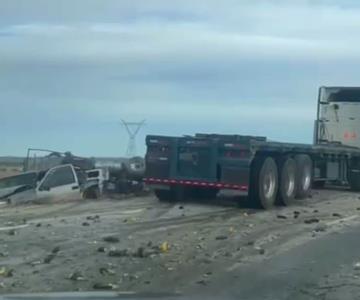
(59, 177)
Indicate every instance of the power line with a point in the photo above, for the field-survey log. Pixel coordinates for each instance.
(132, 128)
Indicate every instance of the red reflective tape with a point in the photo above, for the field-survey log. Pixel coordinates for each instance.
(166, 181)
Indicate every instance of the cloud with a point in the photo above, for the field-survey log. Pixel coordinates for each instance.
(241, 66)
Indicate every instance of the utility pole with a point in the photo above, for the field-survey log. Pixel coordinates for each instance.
(132, 128)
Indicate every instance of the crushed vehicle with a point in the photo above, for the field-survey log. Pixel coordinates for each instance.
(60, 183)
(124, 175)
(17, 183)
(114, 175)
(54, 158)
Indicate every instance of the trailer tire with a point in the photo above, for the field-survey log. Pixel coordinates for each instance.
(287, 181)
(165, 195)
(303, 176)
(264, 182)
(354, 179)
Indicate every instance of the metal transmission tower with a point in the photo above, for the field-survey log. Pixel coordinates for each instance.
(132, 129)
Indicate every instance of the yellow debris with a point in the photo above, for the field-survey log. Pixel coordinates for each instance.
(164, 247)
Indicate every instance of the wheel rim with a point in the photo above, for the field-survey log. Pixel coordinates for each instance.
(269, 184)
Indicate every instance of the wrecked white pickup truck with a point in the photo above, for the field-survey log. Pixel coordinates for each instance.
(60, 183)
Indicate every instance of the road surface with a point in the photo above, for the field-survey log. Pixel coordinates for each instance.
(207, 248)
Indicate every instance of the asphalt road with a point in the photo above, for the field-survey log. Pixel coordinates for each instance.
(322, 268)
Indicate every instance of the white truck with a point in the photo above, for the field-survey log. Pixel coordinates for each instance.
(60, 183)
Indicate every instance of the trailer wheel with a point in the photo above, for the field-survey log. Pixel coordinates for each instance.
(354, 179)
(264, 182)
(165, 195)
(304, 175)
(287, 181)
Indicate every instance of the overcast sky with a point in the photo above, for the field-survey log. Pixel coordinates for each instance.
(70, 70)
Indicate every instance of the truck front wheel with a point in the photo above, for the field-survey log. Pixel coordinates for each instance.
(264, 182)
(304, 175)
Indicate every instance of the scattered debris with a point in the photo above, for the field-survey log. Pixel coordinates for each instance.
(76, 276)
(357, 266)
(106, 271)
(251, 243)
(111, 239)
(35, 263)
(93, 218)
(311, 221)
(315, 211)
(281, 217)
(140, 252)
(4, 254)
(104, 286)
(55, 250)
(358, 208)
(221, 237)
(118, 253)
(164, 247)
(38, 225)
(261, 250)
(337, 215)
(11, 232)
(49, 258)
(101, 249)
(85, 224)
(6, 272)
(133, 277)
(181, 207)
(202, 282)
(320, 228)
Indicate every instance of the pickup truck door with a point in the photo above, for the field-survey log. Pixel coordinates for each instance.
(59, 183)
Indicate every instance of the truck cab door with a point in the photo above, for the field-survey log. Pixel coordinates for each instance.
(59, 184)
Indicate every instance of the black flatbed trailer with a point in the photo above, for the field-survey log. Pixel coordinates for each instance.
(268, 172)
